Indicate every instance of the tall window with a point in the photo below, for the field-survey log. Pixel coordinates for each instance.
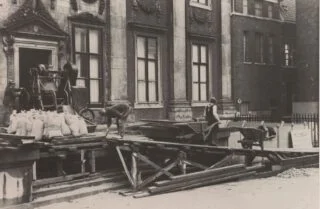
(270, 50)
(87, 55)
(245, 6)
(258, 8)
(246, 46)
(199, 72)
(147, 69)
(289, 54)
(270, 10)
(259, 48)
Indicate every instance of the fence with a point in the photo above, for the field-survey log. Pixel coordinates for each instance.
(309, 120)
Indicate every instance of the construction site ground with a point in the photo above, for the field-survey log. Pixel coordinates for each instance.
(293, 189)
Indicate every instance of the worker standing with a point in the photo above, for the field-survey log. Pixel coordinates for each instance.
(212, 118)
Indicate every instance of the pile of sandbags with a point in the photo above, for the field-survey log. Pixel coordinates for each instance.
(46, 124)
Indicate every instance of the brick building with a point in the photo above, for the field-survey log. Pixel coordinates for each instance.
(162, 56)
(259, 33)
(307, 23)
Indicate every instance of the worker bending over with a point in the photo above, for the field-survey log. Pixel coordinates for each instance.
(120, 112)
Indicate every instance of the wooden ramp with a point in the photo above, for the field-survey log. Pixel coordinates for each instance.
(179, 166)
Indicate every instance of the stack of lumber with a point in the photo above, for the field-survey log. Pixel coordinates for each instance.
(201, 178)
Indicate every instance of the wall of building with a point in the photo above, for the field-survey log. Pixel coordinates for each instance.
(255, 83)
(307, 23)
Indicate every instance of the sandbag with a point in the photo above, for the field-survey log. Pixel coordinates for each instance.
(54, 125)
(37, 129)
(64, 127)
(75, 128)
(83, 127)
(13, 123)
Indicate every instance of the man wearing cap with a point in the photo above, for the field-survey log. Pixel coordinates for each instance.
(212, 117)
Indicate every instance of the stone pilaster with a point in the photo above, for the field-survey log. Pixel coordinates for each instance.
(118, 51)
(179, 109)
(227, 105)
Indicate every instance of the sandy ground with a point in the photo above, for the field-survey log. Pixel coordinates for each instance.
(298, 189)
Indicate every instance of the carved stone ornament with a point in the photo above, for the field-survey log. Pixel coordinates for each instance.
(8, 44)
(199, 16)
(102, 5)
(147, 6)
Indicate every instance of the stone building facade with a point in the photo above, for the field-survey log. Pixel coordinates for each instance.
(161, 56)
(166, 58)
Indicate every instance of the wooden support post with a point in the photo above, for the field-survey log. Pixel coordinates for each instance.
(278, 136)
(83, 161)
(92, 161)
(123, 162)
(34, 171)
(134, 170)
(60, 171)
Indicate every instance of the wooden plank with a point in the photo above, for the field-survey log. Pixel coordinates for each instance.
(195, 164)
(15, 137)
(47, 181)
(198, 183)
(78, 146)
(300, 160)
(209, 172)
(125, 166)
(201, 177)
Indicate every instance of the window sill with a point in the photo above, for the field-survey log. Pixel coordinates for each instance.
(248, 63)
(148, 105)
(255, 17)
(260, 63)
(206, 7)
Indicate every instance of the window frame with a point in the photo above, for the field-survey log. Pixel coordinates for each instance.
(87, 79)
(270, 9)
(246, 53)
(196, 3)
(271, 45)
(158, 102)
(259, 51)
(260, 8)
(245, 5)
(290, 56)
(199, 44)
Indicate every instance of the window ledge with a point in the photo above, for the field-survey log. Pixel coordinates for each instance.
(248, 63)
(148, 105)
(199, 104)
(198, 5)
(260, 63)
(255, 17)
